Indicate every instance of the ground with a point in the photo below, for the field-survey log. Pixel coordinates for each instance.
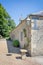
(14, 57)
(14, 60)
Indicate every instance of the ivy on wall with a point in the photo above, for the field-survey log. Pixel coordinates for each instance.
(27, 39)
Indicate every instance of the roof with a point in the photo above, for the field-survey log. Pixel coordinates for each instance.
(37, 14)
(33, 14)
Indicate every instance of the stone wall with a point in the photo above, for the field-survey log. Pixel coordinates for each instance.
(37, 39)
(3, 46)
(16, 34)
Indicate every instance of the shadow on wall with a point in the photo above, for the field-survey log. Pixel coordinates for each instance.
(12, 49)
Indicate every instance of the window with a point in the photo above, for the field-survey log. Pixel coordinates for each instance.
(13, 36)
(21, 36)
(35, 18)
(34, 25)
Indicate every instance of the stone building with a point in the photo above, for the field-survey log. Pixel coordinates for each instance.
(34, 32)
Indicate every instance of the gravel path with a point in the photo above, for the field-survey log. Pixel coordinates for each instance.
(12, 60)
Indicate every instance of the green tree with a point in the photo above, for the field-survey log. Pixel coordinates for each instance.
(6, 23)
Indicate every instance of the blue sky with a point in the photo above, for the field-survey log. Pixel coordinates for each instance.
(21, 8)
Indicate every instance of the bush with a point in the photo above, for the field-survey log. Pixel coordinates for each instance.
(16, 43)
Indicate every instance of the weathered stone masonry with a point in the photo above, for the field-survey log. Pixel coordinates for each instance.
(37, 39)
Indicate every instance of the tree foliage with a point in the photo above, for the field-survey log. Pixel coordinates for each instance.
(6, 23)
